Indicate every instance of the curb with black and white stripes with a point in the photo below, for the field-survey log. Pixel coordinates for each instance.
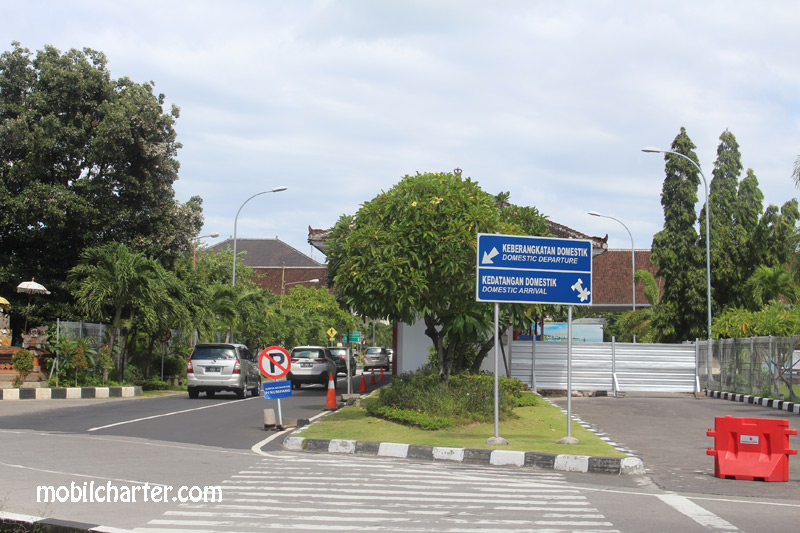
(20, 522)
(69, 393)
(781, 405)
(474, 456)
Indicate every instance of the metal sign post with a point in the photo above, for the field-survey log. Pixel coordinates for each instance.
(274, 363)
(529, 270)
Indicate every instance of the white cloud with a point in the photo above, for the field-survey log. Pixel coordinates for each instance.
(338, 100)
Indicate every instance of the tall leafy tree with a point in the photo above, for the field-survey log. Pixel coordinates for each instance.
(409, 254)
(680, 314)
(729, 234)
(84, 160)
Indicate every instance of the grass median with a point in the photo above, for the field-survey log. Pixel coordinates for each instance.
(536, 429)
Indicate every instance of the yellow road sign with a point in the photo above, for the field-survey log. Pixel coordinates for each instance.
(331, 333)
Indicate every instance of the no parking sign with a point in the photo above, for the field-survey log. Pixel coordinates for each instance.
(274, 362)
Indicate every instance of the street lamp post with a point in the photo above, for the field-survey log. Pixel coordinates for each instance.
(633, 253)
(284, 284)
(236, 222)
(194, 248)
(708, 226)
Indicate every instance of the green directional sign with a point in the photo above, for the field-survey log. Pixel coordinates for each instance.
(354, 336)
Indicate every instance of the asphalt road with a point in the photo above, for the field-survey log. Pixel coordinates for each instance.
(223, 421)
(174, 441)
(669, 433)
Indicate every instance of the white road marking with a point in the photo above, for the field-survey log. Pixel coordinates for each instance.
(256, 448)
(167, 414)
(695, 512)
(76, 475)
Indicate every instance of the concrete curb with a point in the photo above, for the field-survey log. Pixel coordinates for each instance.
(20, 522)
(546, 461)
(781, 405)
(69, 393)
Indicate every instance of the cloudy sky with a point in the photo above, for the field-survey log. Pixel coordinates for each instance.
(549, 100)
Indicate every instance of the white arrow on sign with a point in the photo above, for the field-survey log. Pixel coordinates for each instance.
(488, 256)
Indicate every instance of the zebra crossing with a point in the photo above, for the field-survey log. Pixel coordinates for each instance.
(310, 493)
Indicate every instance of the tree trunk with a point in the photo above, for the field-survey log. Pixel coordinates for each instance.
(437, 339)
(149, 359)
(482, 353)
(113, 336)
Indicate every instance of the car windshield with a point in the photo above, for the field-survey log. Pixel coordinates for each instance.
(308, 354)
(214, 352)
(339, 353)
(373, 351)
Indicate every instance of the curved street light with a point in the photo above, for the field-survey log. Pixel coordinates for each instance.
(194, 247)
(633, 254)
(284, 284)
(708, 226)
(236, 223)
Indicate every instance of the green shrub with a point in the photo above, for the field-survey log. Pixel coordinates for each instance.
(411, 418)
(105, 363)
(132, 376)
(174, 367)
(526, 399)
(155, 384)
(466, 399)
(22, 361)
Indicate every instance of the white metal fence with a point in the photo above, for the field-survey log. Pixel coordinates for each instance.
(607, 366)
(766, 366)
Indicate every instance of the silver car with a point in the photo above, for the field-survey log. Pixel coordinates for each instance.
(376, 357)
(310, 365)
(214, 368)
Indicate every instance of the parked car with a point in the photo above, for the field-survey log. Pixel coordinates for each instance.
(311, 364)
(219, 367)
(341, 355)
(376, 357)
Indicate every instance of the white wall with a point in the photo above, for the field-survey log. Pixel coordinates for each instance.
(413, 347)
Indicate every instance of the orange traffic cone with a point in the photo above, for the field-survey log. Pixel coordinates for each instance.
(372, 377)
(331, 400)
(363, 387)
(381, 376)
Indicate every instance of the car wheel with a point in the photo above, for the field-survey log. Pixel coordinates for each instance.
(295, 385)
(257, 390)
(210, 393)
(241, 393)
(193, 393)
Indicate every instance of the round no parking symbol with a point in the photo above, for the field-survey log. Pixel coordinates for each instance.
(274, 362)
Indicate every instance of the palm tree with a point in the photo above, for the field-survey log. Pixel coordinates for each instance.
(772, 283)
(112, 282)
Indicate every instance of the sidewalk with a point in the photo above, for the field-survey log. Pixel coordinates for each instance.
(669, 433)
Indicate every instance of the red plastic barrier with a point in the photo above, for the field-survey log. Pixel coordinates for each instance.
(751, 448)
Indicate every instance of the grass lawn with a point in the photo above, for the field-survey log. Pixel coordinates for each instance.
(537, 429)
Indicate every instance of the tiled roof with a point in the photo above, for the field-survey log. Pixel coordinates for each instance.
(265, 253)
(612, 280)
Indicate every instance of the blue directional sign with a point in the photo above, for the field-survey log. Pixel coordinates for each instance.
(543, 270)
(277, 389)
